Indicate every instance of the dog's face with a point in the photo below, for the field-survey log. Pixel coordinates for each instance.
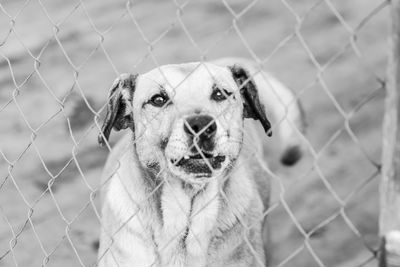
(187, 119)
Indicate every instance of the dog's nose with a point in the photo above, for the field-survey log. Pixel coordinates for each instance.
(202, 126)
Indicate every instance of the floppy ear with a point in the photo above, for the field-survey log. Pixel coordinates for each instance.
(252, 107)
(119, 109)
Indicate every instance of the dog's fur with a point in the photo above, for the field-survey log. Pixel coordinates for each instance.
(163, 207)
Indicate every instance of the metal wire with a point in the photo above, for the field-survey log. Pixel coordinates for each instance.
(21, 226)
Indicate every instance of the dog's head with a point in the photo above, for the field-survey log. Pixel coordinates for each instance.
(187, 119)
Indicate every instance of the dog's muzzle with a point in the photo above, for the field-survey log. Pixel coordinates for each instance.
(201, 160)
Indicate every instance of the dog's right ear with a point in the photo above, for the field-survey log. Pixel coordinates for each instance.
(119, 109)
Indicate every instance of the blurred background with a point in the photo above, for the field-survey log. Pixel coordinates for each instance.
(58, 59)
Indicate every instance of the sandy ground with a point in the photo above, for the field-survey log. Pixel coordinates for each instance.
(61, 56)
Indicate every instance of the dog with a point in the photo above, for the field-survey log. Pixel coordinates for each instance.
(187, 185)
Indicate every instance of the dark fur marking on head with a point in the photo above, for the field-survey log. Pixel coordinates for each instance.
(119, 114)
(251, 101)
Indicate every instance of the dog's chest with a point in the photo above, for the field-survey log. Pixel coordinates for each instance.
(183, 236)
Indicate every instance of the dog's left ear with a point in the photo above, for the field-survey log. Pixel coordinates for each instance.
(119, 109)
(252, 107)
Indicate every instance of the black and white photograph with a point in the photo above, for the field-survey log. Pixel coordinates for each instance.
(212, 133)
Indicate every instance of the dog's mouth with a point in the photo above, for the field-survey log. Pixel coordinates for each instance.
(201, 165)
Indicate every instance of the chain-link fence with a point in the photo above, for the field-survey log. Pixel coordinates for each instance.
(58, 59)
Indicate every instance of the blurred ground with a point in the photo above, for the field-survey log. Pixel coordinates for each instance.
(82, 62)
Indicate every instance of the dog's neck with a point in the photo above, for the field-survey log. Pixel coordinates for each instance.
(185, 219)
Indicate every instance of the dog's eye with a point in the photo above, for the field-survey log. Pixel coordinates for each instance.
(220, 95)
(158, 100)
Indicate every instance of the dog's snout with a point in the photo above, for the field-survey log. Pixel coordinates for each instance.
(203, 126)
